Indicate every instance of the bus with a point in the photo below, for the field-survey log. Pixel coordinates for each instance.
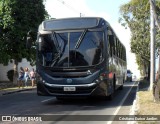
(79, 57)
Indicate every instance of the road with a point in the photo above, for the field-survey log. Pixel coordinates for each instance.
(28, 103)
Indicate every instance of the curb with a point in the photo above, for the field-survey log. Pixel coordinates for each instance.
(135, 106)
(15, 91)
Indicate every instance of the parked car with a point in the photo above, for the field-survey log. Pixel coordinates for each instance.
(129, 76)
(134, 78)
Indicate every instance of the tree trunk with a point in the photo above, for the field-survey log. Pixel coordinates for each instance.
(144, 70)
(15, 76)
(148, 78)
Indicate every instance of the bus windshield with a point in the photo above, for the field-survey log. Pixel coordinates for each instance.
(70, 49)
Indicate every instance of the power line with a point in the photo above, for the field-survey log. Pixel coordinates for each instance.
(70, 7)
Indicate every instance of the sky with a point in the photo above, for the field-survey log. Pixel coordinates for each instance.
(107, 9)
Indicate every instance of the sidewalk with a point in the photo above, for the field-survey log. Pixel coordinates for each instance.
(15, 90)
(142, 86)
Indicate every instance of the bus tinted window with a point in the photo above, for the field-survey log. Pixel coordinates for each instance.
(70, 24)
(70, 49)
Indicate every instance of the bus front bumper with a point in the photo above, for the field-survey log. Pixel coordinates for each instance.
(91, 89)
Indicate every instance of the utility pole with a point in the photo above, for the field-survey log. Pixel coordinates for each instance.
(152, 46)
(159, 60)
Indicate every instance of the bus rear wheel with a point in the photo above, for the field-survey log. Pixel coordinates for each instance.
(111, 96)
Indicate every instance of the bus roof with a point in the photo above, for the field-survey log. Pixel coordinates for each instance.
(72, 23)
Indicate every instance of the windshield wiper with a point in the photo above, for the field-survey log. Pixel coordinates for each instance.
(56, 57)
(58, 49)
(80, 39)
(60, 52)
(55, 41)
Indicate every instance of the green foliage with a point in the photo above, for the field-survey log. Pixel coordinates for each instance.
(10, 74)
(17, 17)
(136, 15)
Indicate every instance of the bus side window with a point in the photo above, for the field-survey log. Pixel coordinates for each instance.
(109, 48)
(123, 53)
(112, 44)
(118, 48)
(120, 51)
(115, 42)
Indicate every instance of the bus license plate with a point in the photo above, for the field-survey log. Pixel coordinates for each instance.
(69, 88)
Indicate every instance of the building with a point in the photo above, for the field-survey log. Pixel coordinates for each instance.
(5, 69)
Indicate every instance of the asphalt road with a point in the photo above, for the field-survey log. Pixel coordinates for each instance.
(28, 103)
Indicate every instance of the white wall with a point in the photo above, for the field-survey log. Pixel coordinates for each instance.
(5, 69)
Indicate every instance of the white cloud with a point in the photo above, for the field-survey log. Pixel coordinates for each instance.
(71, 8)
(65, 8)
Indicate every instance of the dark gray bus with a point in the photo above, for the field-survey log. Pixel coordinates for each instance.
(79, 57)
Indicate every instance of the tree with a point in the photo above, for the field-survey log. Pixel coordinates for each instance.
(155, 10)
(136, 15)
(17, 17)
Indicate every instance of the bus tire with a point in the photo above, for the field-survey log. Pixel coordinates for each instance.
(39, 94)
(59, 98)
(121, 87)
(111, 96)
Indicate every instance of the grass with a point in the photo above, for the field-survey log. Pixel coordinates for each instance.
(146, 104)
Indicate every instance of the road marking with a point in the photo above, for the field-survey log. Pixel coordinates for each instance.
(121, 103)
(47, 100)
(134, 106)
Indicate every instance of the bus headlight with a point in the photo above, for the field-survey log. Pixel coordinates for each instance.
(97, 81)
